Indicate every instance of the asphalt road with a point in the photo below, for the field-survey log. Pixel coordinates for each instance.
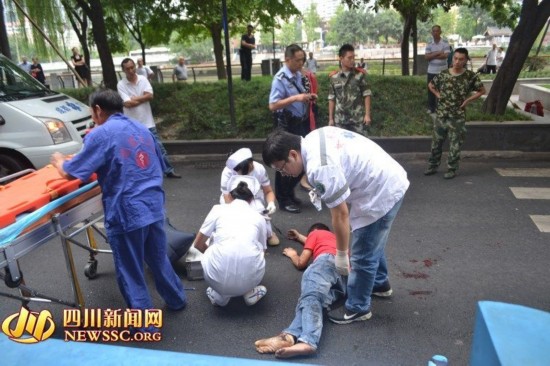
(453, 244)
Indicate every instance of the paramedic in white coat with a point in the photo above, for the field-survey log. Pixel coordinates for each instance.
(344, 167)
(240, 164)
(233, 262)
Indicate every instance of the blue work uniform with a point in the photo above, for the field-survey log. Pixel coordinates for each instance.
(129, 169)
(286, 84)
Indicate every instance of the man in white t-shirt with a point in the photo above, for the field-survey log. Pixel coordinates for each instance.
(347, 168)
(491, 60)
(436, 54)
(136, 93)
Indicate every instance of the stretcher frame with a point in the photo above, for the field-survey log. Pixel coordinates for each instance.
(64, 225)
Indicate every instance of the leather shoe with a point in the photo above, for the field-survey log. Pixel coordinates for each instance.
(173, 175)
(290, 208)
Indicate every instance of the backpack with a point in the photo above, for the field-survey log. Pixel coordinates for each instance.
(535, 107)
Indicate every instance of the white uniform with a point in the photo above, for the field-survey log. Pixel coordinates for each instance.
(234, 262)
(345, 166)
(142, 112)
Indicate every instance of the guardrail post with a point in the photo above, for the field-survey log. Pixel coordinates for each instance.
(384, 66)
(194, 76)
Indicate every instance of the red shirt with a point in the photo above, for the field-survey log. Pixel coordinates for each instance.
(321, 242)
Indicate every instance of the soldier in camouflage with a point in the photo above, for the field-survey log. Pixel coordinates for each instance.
(349, 96)
(453, 88)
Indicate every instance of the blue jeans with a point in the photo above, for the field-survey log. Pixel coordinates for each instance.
(168, 167)
(321, 286)
(130, 251)
(368, 260)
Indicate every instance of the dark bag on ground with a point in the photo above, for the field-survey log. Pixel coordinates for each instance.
(483, 69)
(177, 242)
(535, 107)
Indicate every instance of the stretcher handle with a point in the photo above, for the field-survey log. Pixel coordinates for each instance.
(16, 175)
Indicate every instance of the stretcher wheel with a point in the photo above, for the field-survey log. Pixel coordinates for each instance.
(90, 270)
(10, 282)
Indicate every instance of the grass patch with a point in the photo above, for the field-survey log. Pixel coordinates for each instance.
(193, 111)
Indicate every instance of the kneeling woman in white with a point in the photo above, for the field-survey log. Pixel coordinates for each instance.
(233, 262)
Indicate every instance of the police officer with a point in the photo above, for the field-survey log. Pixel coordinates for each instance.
(349, 96)
(289, 102)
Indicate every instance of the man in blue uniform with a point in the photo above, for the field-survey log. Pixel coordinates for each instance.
(129, 168)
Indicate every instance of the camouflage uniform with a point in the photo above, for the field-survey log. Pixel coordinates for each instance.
(450, 119)
(348, 93)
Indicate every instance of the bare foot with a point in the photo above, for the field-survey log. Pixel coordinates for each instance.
(273, 344)
(299, 349)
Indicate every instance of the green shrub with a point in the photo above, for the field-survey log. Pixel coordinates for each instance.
(191, 111)
(535, 63)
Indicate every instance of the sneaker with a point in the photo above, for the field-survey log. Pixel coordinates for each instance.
(431, 170)
(254, 295)
(450, 174)
(211, 296)
(344, 316)
(273, 240)
(383, 290)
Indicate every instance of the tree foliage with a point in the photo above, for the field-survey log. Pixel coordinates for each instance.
(204, 17)
(312, 21)
(348, 26)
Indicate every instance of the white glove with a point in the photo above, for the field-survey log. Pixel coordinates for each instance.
(342, 262)
(271, 208)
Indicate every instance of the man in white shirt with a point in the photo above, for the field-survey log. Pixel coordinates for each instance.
(136, 93)
(436, 54)
(144, 70)
(311, 63)
(347, 168)
(491, 60)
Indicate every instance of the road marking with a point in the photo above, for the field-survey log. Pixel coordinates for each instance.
(524, 172)
(542, 222)
(531, 193)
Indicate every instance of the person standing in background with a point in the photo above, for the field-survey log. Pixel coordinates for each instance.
(491, 60)
(180, 70)
(436, 54)
(25, 65)
(311, 64)
(137, 92)
(144, 70)
(37, 72)
(80, 66)
(500, 57)
(248, 43)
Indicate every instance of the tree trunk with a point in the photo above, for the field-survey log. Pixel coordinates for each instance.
(532, 20)
(99, 32)
(79, 23)
(4, 43)
(216, 33)
(407, 26)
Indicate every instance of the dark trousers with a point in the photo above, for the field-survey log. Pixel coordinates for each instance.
(491, 69)
(284, 185)
(432, 100)
(246, 66)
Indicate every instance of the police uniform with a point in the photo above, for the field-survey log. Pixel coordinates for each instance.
(234, 262)
(348, 91)
(286, 84)
(344, 166)
(450, 118)
(127, 161)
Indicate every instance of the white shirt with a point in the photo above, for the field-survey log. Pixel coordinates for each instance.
(142, 113)
(234, 262)
(311, 65)
(144, 71)
(353, 169)
(492, 57)
(435, 66)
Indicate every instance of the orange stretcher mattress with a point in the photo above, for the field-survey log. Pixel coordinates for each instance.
(33, 191)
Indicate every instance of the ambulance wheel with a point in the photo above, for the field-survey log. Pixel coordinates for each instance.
(90, 270)
(11, 164)
(10, 282)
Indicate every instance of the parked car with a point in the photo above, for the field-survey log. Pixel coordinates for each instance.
(35, 122)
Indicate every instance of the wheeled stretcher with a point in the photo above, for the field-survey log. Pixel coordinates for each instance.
(78, 211)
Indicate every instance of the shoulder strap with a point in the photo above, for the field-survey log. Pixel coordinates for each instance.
(293, 83)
